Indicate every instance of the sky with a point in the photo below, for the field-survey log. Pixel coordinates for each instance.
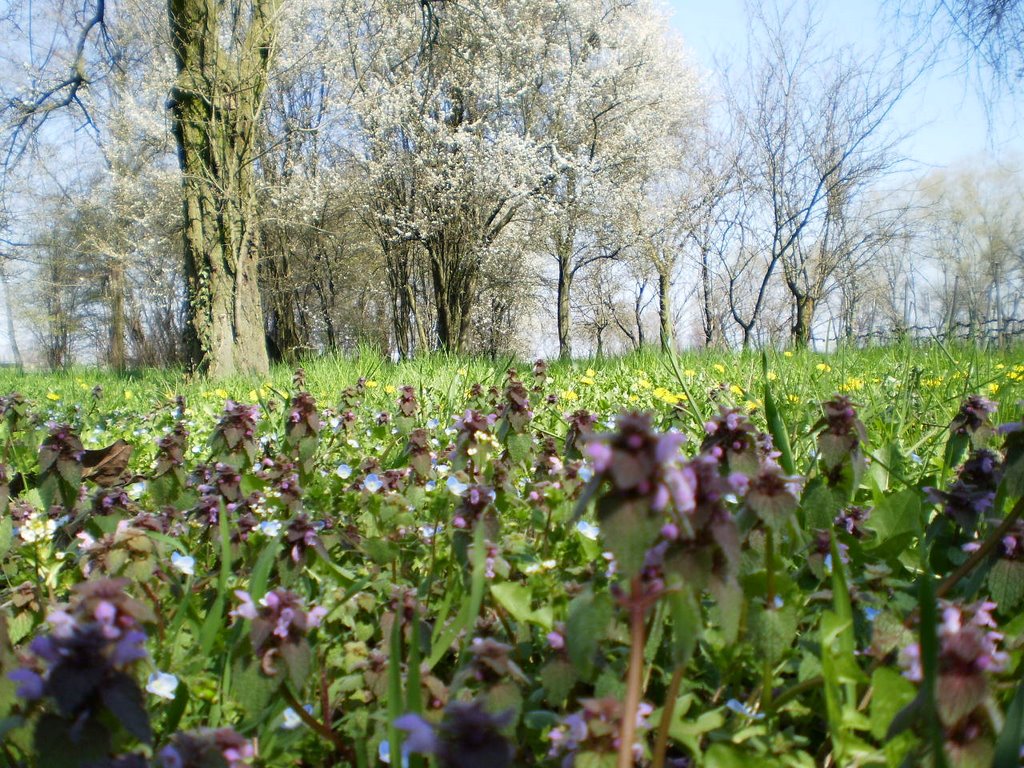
(941, 109)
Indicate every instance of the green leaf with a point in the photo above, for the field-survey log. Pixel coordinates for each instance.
(585, 627)
(297, 659)
(772, 631)
(820, 504)
(558, 678)
(687, 624)
(60, 743)
(1011, 739)
(776, 426)
(514, 598)
(121, 695)
(6, 535)
(212, 625)
(520, 446)
(897, 514)
(250, 687)
(1006, 583)
(628, 531)
(891, 693)
(261, 570)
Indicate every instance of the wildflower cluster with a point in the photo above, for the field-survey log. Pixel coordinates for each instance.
(279, 625)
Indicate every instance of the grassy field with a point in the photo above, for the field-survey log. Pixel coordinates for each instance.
(791, 560)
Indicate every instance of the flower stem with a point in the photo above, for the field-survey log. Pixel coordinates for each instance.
(634, 678)
(661, 742)
(769, 599)
(982, 552)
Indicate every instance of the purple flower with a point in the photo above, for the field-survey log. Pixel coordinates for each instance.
(421, 738)
(30, 684)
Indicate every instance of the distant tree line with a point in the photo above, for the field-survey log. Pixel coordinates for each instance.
(223, 184)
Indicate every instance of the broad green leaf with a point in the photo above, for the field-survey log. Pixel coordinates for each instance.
(588, 619)
(1006, 583)
(514, 598)
(891, 692)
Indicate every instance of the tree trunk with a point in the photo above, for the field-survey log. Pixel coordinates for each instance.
(664, 312)
(116, 287)
(215, 106)
(15, 351)
(803, 318)
(564, 286)
(706, 301)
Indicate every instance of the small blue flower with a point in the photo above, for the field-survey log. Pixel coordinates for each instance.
(344, 471)
(290, 719)
(183, 563)
(270, 527)
(740, 708)
(162, 684)
(456, 486)
(372, 483)
(588, 530)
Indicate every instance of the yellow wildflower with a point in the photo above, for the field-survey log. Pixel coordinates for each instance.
(223, 393)
(52, 396)
(993, 388)
(586, 380)
(371, 384)
(772, 376)
(591, 372)
(824, 367)
(568, 394)
(787, 353)
(689, 373)
(389, 389)
(736, 390)
(719, 367)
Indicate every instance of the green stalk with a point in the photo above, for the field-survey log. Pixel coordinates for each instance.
(634, 678)
(661, 741)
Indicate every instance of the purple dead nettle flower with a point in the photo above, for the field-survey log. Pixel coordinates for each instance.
(303, 534)
(732, 439)
(468, 735)
(100, 632)
(852, 519)
(972, 494)
(303, 419)
(278, 621)
(516, 408)
(1011, 546)
(639, 463)
(974, 420)
(772, 494)
(492, 662)
(596, 728)
(968, 652)
(208, 746)
(234, 435)
(407, 403)
(841, 434)
(476, 499)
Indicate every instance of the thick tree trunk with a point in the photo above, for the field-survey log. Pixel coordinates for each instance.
(803, 319)
(215, 107)
(453, 274)
(664, 312)
(15, 351)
